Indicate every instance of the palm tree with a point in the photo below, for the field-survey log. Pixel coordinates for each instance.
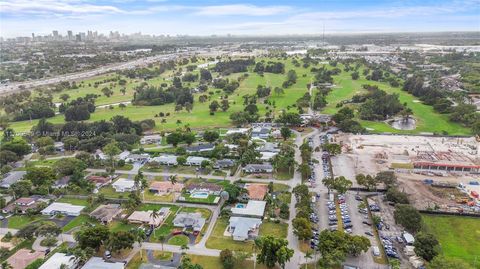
(307, 256)
(184, 248)
(162, 239)
(140, 236)
(154, 215)
(173, 179)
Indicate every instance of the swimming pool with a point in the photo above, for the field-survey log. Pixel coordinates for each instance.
(200, 195)
(240, 205)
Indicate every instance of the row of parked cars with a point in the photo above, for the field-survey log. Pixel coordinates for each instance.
(390, 250)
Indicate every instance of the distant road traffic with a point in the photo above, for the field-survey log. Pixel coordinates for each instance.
(11, 87)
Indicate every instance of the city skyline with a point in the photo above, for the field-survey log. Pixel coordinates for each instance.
(157, 17)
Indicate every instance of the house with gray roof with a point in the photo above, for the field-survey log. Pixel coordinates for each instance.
(195, 160)
(258, 168)
(243, 229)
(165, 160)
(200, 148)
(193, 221)
(224, 163)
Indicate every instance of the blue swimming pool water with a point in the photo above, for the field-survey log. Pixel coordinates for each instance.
(200, 195)
(240, 206)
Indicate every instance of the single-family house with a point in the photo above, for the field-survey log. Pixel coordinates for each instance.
(147, 217)
(151, 139)
(21, 205)
(165, 187)
(224, 164)
(59, 146)
(63, 209)
(268, 147)
(100, 155)
(106, 213)
(258, 168)
(256, 191)
(267, 155)
(260, 132)
(124, 185)
(165, 160)
(193, 221)
(243, 229)
(237, 131)
(11, 177)
(62, 182)
(123, 155)
(195, 160)
(99, 263)
(100, 181)
(211, 188)
(144, 157)
(253, 208)
(200, 148)
(58, 261)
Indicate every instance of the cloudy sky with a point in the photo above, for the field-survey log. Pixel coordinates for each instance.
(206, 17)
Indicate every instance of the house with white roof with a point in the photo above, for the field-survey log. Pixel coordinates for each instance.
(151, 139)
(267, 155)
(124, 185)
(195, 160)
(99, 263)
(63, 209)
(253, 208)
(138, 157)
(56, 261)
(258, 168)
(165, 160)
(243, 229)
(123, 155)
(237, 131)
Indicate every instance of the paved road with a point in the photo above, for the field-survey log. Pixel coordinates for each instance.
(167, 174)
(12, 87)
(293, 242)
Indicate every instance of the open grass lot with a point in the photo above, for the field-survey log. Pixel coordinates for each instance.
(78, 222)
(110, 192)
(178, 240)
(117, 226)
(74, 201)
(459, 237)
(278, 230)
(20, 221)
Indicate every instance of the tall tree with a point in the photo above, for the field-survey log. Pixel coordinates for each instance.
(273, 250)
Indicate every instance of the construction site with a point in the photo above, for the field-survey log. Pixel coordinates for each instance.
(435, 171)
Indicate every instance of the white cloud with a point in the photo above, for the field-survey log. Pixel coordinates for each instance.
(241, 9)
(53, 7)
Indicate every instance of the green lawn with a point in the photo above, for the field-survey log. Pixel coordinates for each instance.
(116, 226)
(208, 262)
(20, 221)
(218, 241)
(110, 192)
(427, 119)
(77, 222)
(74, 201)
(178, 240)
(278, 230)
(459, 237)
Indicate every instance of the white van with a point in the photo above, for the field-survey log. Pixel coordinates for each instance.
(376, 251)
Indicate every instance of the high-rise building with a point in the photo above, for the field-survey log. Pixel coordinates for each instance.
(55, 35)
(70, 35)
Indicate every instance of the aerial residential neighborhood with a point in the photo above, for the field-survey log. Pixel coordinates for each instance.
(232, 135)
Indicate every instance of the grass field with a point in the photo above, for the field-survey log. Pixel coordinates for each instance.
(427, 119)
(20, 221)
(208, 262)
(77, 222)
(459, 237)
(178, 240)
